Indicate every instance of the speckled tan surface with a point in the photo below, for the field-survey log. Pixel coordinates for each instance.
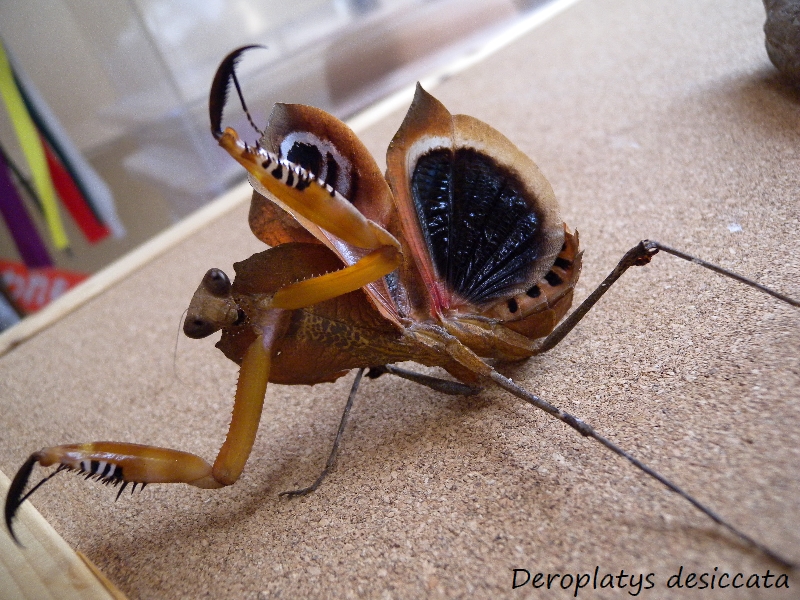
(661, 119)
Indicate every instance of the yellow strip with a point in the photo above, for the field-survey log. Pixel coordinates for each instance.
(31, 146)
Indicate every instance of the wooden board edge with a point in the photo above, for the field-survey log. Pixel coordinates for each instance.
(46, 566)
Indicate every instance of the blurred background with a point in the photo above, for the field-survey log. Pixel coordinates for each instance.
(118, 90)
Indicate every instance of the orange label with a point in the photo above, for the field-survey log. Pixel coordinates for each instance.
(33, 289)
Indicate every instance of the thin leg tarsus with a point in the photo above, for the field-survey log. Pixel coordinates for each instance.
(335, 450)
(587, 430)
(726, 273)
(640, 255)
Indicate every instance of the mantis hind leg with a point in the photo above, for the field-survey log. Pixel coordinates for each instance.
(638, 256)
(335, 450)
(444, 386)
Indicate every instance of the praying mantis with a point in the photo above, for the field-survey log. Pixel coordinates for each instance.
(457, 256)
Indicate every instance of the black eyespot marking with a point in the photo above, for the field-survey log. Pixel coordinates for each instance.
(553, 279)
(307, 156)
(563, 263)
(513, 306)
(534, 292)
(331, 171)
(482, 232)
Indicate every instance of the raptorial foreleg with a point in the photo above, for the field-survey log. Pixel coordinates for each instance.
(121, 463)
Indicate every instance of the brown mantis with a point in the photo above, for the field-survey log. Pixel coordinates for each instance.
(456, 256)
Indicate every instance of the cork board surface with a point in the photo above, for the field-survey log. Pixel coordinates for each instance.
(660, 120)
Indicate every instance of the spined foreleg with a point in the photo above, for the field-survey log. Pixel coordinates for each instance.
(316, 205)
(122, 463)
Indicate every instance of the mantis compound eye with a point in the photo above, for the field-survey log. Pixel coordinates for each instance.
(198, 328)
(217, 283)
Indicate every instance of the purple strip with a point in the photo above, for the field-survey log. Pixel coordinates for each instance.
(29, 244)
